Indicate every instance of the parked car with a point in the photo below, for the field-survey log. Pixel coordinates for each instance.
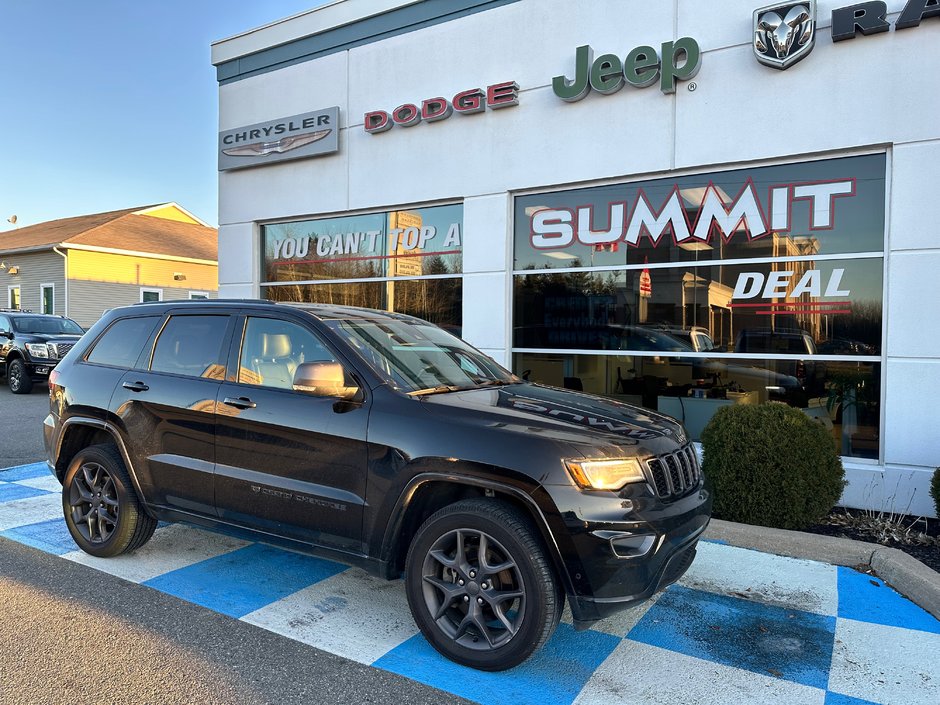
(789, 341)
(381, 441)
(31, 344)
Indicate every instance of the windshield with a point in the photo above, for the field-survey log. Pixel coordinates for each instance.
(421, 358)
(46, 325)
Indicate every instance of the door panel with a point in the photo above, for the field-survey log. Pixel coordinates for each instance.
(169, 411)
(286, 461)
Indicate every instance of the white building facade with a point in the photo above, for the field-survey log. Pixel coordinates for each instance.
(683, 205)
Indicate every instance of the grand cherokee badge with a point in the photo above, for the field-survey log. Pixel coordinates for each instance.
(784, 33)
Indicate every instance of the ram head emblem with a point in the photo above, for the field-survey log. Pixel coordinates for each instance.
(784, 33)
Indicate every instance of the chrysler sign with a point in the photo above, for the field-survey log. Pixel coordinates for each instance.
(295, 137)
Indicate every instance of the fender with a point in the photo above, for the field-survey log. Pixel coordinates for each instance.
(393, 530)
(118, 441)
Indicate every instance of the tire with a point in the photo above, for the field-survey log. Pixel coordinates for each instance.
(489, 614)
(102, 511)
(18, 377)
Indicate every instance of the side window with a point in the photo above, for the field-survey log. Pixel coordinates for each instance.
(4, 324)
(122, 342)
(192, 346)
(272, 350)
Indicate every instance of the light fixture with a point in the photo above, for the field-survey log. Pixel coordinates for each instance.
(179, 277)
(13, 270)
(3, 265)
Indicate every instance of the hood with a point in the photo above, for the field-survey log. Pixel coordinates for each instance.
(49, 337)
(593, 426)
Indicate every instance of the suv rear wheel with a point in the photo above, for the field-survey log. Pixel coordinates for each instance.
(18, 377)
(101, 508)
(480, 586)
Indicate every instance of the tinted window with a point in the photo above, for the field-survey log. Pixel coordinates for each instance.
(273, 349)
(191, 345)
(47, 325)
(122, 342)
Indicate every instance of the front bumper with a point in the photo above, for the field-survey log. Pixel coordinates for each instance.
(39, 370)
(622, 548)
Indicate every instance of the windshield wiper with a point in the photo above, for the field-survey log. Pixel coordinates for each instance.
(444, 388)
(440, 389)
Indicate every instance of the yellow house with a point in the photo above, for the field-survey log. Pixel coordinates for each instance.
(80, 267)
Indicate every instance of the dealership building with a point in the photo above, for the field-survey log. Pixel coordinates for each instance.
(680, 205)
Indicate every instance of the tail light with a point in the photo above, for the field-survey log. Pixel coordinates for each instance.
(800, 370)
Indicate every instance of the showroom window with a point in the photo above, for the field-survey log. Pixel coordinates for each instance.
(409, 261)
(690, 293)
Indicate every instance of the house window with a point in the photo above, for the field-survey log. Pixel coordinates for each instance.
(198, 294)
(150, 295)
(14, 296)
(47, 297)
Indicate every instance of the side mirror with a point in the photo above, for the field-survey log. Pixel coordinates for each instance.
(323, 379)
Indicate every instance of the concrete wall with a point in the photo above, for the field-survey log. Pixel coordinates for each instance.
(867, 93)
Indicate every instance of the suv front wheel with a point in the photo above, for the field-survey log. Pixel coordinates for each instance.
(101, 508)
(18, 377)
(480, 586)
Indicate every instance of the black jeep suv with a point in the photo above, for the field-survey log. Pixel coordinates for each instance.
(31, 344)
(381, 441)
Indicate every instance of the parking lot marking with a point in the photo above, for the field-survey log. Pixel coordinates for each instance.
(641, 673)
(886, 664)
(331, 615)
(51, 536)
(723, 635)
(765, 639)
(554, 675)
(244, 580)
(809, 586)
(172, 547)
(866, 598)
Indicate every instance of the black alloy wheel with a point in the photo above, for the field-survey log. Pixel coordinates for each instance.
(480, 586)
(101, 509)
(94, 504)
(18, 377)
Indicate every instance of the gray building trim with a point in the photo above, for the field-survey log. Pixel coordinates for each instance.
(372, 29)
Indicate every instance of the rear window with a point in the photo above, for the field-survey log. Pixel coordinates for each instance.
(122, 342)
(191, 346)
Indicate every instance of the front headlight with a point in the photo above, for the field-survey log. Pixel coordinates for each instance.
(38, 350)
(605, 474)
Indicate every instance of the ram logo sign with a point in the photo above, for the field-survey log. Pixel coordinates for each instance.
(784, 33)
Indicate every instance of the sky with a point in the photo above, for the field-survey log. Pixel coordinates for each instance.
(109, 104)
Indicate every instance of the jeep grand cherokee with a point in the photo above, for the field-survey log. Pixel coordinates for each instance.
(381, 441)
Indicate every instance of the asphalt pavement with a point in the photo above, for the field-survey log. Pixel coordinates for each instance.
(21, 418)
(74, 634)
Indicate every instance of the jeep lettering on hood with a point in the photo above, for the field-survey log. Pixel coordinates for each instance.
(593, 421)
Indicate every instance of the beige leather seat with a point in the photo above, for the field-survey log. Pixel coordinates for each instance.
(275, 365)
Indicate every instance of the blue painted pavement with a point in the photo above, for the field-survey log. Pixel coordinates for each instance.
(740, 627)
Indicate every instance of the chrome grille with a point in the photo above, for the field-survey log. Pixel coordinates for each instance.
(675, 474)
(59, 350)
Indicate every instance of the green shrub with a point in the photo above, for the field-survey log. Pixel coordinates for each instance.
(771, 465)
(935, 491)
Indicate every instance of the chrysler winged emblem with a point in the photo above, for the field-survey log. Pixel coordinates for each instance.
(784, 33)
(285, 144)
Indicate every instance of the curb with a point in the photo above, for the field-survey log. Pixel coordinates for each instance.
(905, 574)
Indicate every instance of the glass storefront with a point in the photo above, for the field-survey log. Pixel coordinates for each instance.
(742, 286)
(407, 261)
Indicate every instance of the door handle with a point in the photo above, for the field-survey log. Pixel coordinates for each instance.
(135, 386)
(239, 402)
